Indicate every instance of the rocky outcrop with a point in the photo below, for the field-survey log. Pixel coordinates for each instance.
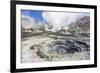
(82, 25)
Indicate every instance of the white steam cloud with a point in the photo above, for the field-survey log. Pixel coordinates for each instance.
(59, 19)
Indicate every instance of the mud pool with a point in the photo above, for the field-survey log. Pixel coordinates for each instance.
(54, 48)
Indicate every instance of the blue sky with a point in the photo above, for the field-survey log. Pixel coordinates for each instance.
(37, 15)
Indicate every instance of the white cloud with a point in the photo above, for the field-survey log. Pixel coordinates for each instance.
(27, 22)
(60, 19)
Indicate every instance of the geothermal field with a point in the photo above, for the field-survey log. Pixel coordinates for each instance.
(62, 38)
(50, 47)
